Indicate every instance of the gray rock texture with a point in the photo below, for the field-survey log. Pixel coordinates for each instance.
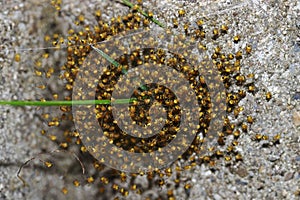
(271, 27)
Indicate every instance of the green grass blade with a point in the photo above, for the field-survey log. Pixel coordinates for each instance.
(65, 103)
(107, 57)
(131, 5)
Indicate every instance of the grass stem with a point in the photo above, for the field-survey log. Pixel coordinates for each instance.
(65, 103)
(131, 5)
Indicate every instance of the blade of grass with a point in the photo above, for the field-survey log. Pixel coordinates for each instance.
(65, 103)
(107, 57)
(131, 5)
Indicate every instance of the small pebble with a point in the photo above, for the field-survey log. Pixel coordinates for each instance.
(240, 182)
(273, 158)
(296, 96)
(288, 176)
(216, 196)
(242, 172)
(296, 118)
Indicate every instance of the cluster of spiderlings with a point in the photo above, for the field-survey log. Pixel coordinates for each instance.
(229, 65)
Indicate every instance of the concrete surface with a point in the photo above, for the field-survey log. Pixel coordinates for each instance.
(271, 27)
